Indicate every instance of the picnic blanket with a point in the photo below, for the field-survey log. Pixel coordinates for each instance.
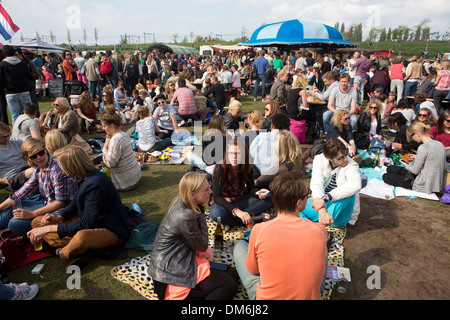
(335, 256)
(377, 188)
(135, 272)
(171, 155)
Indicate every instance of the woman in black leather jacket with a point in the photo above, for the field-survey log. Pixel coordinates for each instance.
(369, 124)
(179, 263)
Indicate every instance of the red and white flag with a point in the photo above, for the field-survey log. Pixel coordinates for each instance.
(7, 27)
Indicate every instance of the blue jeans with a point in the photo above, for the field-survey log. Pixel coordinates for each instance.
(6, 292)
(411, 87)
(20, 225)
(263, 79)
(327, 115)
(340, 210)
(93, 88)
(360, 81)
(112, 80)
(16, 103)
(211, 103)
(250, 280)
(247, 203)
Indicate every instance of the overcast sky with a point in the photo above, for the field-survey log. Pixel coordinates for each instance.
(161, 19)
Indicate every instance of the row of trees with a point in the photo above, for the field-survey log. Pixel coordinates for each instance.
(419, 32)
(51, 38)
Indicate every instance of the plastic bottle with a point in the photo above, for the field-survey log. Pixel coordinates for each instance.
(218, 235)
(382, 156)
(377, 159)
(136, 208)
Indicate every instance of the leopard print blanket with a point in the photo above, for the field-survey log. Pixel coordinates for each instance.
(135, 272)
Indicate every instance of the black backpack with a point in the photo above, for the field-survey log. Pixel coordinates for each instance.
(132, 70)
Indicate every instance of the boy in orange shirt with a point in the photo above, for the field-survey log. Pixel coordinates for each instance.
(285, 258)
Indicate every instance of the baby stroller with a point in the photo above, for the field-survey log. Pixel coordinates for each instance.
(73, 90)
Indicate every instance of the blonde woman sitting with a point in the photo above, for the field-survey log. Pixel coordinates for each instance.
(254, 122)
(340, 128)
(425, 171)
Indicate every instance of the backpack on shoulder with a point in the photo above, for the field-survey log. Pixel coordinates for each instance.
(106, 67)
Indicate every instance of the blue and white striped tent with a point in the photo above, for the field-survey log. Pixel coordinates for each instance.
(297, 33)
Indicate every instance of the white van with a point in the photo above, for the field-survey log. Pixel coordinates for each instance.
(206, 51)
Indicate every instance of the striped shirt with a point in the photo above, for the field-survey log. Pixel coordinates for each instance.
(120, 159)
(53, 184)
(332, 185)
(186, 101)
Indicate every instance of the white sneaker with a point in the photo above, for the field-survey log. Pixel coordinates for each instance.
(24, 291)
(254, 99)
(182, 122)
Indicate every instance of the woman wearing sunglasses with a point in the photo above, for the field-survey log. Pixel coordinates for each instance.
(64, 118)
(369, 124)
(340, 128)
(54, 186)
(425, 116)
(166, 116)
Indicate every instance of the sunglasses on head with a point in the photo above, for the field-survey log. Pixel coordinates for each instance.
(308, 194)
(34, 156)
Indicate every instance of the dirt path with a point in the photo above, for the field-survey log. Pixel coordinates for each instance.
(408, 240)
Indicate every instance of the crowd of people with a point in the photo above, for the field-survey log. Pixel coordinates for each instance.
(254, 164)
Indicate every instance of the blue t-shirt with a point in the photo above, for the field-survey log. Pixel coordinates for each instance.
(261, 65)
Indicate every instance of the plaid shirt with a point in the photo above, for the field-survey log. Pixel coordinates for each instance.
(186, 101)
(53, 183)
(444, 83)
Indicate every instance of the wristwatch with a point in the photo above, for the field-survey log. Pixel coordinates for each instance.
(326, 198)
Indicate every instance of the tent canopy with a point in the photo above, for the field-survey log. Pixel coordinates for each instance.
(38, 45)
(173, 49)
(298, 34)
(229, 48)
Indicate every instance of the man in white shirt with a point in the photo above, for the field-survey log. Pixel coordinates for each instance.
(300, 63)
(342, 97)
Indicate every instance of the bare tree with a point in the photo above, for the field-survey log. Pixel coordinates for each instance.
(69, 38)
(85, 36)
(52, 37)
(95, 35)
